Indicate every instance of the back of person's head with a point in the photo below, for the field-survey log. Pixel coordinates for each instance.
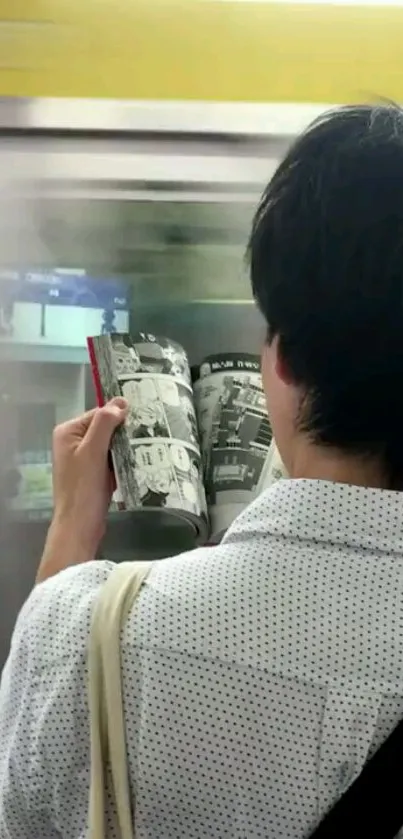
(327, 272)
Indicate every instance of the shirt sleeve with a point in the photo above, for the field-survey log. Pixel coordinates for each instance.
(44, 727)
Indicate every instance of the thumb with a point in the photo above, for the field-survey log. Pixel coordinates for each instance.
(104, 423)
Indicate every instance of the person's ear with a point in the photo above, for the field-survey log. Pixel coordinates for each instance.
(280, 366)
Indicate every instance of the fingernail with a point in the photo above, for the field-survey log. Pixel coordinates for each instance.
(119, 402)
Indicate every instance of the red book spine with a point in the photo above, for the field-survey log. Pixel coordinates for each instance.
(99, 392)
(95, 373)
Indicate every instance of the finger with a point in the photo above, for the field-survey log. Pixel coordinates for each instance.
(76, 427)
(120, 401)
(104, 422)
(79, 426)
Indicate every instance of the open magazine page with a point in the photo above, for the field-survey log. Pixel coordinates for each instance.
(234, 432)
(157, 454)
(274, 469)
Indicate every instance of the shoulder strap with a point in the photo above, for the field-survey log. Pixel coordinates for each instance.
(373, 805)
(107, 728)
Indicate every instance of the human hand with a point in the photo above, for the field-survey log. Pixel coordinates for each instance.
(82, 486)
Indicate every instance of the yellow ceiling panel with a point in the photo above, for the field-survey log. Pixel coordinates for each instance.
(232, 51)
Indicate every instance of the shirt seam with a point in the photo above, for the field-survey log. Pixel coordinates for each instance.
(289, 677)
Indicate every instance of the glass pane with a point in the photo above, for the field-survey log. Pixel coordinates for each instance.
(152, 260)
(166, 250)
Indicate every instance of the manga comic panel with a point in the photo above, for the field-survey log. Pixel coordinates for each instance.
(160, 407)
(234, 431)
(234, 469)
(145, 353)
(240, 417)
(121, 450)
(232, 415)
(168, 475)
(240, 436)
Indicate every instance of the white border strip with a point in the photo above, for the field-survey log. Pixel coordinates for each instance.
(159, 117)
(20, 166)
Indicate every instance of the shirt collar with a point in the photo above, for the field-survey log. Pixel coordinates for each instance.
(323, 511)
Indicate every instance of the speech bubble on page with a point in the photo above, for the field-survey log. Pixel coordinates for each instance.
(160, 456)
(153, 457)
(180, 458)
(147, 391)
(189, 492)
(169, 393)
(131, 392)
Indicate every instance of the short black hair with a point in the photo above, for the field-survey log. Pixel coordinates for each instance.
(326, 254)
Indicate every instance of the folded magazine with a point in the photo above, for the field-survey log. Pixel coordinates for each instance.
(197, 444)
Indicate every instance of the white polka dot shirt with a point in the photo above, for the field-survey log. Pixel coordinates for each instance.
(258, 676)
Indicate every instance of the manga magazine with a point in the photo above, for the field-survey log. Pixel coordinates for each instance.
(197, 444)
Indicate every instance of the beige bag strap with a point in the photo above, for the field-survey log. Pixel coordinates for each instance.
(107, 726)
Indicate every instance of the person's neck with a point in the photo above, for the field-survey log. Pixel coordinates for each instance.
(321, 463)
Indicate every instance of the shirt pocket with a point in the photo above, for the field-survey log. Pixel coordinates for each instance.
(348, 729)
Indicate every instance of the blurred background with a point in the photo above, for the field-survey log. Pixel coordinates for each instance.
(135, 139)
